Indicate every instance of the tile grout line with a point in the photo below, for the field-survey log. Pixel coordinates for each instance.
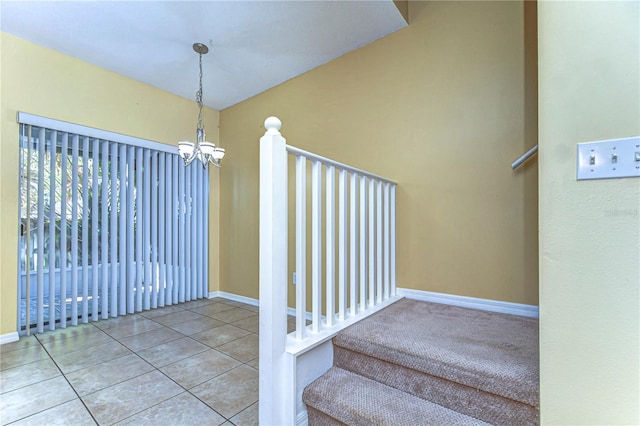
(195, 396)
(67, 380)
(210, 348)
(154, 368)
(64, 375)
(242, 364)
(227, 419)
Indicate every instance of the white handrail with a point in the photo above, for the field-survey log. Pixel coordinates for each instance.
(524, 157)
(311, 156)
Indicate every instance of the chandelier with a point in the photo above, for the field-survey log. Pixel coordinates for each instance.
(205, 151)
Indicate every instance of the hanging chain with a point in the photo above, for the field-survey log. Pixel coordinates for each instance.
(199, 97)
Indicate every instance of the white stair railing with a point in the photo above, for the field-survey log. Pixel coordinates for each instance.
(355, 279)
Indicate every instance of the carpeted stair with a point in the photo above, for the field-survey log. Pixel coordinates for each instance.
(416, 363)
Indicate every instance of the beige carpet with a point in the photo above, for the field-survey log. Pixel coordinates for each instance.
(364, 402)
(481, 364)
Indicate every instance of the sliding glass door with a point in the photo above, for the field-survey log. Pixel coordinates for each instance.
(109, 225)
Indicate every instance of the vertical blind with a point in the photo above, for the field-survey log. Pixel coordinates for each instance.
(109, 225)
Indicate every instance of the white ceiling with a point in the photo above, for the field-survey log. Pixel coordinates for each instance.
(253, 45)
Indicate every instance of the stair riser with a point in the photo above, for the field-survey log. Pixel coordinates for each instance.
(318, 418)
(472, 402)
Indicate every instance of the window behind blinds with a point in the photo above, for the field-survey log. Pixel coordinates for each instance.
(109, 225)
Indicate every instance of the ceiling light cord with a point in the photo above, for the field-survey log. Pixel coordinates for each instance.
(200, 124)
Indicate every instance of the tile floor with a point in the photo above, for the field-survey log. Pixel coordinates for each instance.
(193, 363)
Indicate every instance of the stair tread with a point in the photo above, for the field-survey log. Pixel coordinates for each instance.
(492, 352)
(486, 406)
(356, 400)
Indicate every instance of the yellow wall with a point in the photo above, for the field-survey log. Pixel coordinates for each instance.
(443, 107)
(47, 83)
(589, 230)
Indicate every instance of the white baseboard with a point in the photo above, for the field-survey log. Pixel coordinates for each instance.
(234, 297)
(248, 301)
(530, 311)
(302, 419)
(520, 309)
(9, 337)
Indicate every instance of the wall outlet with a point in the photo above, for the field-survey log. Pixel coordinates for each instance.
(616, 158)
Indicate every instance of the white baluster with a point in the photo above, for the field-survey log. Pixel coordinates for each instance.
(393, 239)
(379, 242)
(316, 245)
(342, 245)
(363, 243)
(353, 248)
(301, 247)
(372, 242)
(330, 232)
(387, 201)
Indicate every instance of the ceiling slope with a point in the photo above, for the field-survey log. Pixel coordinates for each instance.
(253, 45)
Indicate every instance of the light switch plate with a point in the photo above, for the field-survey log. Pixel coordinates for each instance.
(610, 159)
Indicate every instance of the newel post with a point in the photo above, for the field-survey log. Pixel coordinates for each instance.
(275, 377)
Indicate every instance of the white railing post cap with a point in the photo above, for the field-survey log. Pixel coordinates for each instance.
(273, 125)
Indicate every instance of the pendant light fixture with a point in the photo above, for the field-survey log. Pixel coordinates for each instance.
(205, 151)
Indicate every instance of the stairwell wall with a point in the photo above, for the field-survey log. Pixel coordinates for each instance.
(443, 107)
(589, 230)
